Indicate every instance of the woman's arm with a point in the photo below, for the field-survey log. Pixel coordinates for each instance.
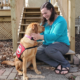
(56, 32)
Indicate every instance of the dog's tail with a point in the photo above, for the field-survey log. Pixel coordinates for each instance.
(8, 63)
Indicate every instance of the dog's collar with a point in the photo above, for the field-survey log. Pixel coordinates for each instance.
(29, 37)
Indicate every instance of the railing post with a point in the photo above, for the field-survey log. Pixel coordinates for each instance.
(8, 2)
(2, 3)
(14, 24)
(26, 3)
(72, 23)
(5, 3)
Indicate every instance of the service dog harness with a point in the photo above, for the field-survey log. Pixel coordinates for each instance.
(21, 48)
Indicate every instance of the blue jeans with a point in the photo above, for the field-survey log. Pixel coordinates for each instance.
(53, 54)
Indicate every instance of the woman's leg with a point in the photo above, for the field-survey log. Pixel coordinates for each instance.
(56, 51)
(43, 57)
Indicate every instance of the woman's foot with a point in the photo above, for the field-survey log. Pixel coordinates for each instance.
(58, 69)
(65, 70)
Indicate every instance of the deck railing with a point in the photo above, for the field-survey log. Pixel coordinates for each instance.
(4, 4)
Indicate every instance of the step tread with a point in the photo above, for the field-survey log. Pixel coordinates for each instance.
(70, 52)
(32, 12)
(31, 7)
(36, 12)
(36, 7)
(31, 18)
(24, 24)
(21, 32)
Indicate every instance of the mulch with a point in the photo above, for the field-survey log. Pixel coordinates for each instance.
(77, 43)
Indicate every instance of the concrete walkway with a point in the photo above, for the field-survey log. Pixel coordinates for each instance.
(47, 74)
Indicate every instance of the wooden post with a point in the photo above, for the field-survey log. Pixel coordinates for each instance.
(8, 2)
(5, 3)
(14, 24)
(72, 24)
(1, 3)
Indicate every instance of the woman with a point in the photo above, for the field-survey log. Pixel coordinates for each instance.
(56, 42)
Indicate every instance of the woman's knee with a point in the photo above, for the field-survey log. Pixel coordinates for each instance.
(49, 51)
(38, 54)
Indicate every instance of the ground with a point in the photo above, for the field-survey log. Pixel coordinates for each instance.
(77, 43)
(10, 73)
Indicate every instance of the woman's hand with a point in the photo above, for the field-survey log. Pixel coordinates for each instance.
(37, 36)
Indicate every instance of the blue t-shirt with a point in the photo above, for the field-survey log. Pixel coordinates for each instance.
(57, 32)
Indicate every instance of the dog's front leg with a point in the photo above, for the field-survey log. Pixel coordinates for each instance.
(34, 65)
(24, 69)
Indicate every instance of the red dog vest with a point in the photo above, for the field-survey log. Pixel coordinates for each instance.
(21, 49)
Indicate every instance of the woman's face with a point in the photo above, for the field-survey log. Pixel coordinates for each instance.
(46, 13)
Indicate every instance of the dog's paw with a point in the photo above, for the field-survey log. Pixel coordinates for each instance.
(25, 78)
(38, 72)
(20, 73)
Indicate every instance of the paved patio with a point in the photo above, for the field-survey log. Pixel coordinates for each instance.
(47, 74)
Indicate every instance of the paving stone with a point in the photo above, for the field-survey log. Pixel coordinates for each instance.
(7, 72)
(3, 77)
(70, 74)
(76, 60)
(73, 69)
(47, 74)
(77, 78)
(2, 71)
(12, 76)
(14, 70)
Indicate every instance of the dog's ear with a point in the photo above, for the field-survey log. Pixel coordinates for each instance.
(35, 28)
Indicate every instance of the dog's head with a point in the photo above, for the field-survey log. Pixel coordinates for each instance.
(35, 28)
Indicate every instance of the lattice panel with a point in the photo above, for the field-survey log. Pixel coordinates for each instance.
(5, 30)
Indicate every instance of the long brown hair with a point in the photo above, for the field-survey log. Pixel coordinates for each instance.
(49, 6)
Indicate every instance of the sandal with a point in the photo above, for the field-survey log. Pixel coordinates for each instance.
(58, 69)
(66, 69)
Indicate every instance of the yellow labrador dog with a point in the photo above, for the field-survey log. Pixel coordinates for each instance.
(29, 51)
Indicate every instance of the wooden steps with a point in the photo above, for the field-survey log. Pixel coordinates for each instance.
(30, 15)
